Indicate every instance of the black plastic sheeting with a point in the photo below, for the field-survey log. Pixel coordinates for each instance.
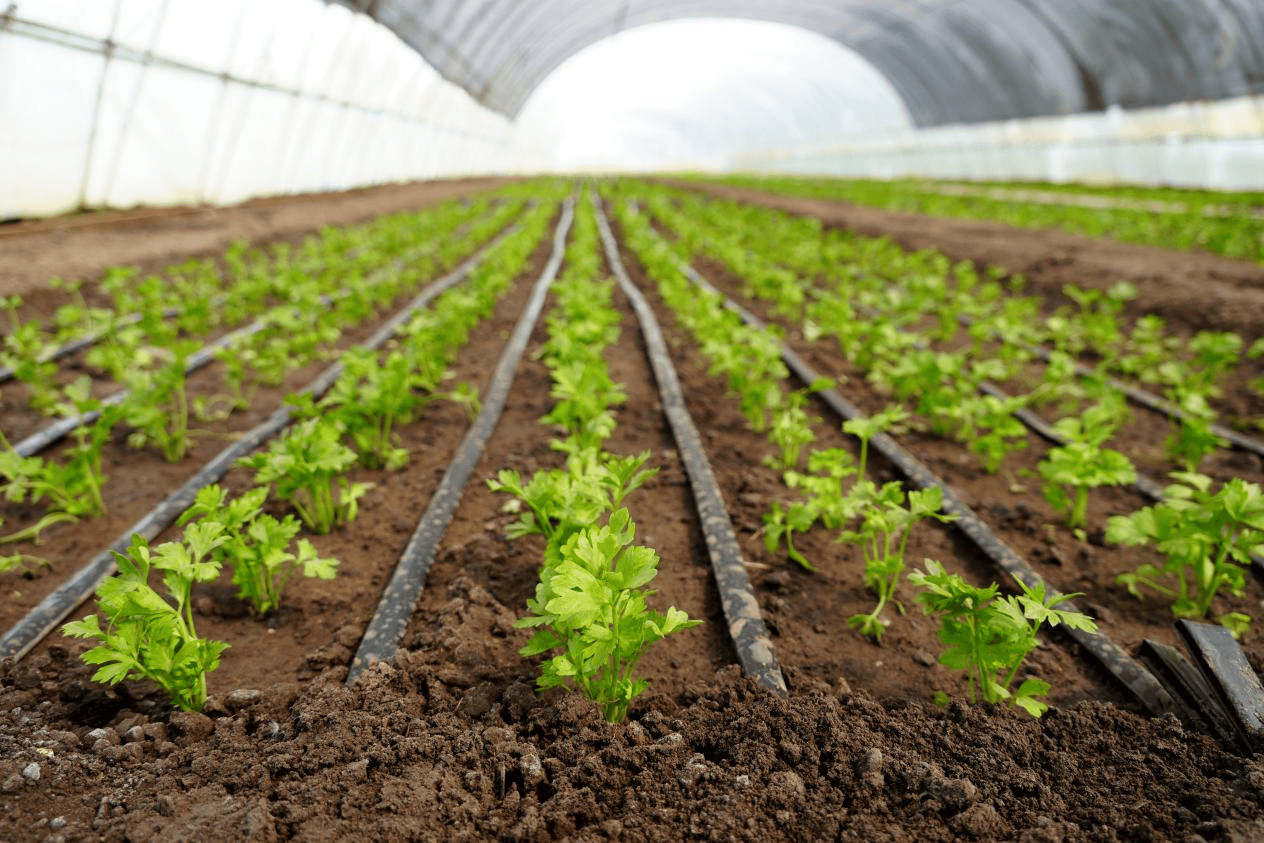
(952, 61)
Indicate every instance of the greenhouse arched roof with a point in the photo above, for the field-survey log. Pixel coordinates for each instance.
(952, 61)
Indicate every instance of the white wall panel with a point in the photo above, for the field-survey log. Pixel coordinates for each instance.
(47, 99)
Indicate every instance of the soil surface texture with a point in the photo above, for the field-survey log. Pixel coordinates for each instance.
(450, 740)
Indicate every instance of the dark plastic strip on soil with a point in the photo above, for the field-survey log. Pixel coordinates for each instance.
(53, 609)
(1150, 401)
(399, 599)
(1130, 673)
(1218, 655)
(741, 609)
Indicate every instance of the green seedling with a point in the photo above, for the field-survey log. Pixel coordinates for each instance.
(147, 637)
(158, 404)
(791, 427)
(590, 604)
(561, 502)
(1207, 537)
(989, 636)
(1085, 463)
(308, 467)
(257, 546)
(883, 535)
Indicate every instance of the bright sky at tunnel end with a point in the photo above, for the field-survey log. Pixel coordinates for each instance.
(697, 93)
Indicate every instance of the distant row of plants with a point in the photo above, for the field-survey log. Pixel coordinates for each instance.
(1235, 235)
(589, 608)
(1207, 537)
(988, 636)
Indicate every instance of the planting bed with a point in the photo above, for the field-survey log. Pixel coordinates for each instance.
(450, 738)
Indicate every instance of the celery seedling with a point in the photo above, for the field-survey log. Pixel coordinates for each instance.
(883, 535)
(591, 604)
(1083, 463)
(308, 465)
(146, 636)
(1207, 538)
(989, 636)
(257, 546)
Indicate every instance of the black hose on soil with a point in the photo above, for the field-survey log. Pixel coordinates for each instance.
(53, 609)
(1139, 681)
(399, 599)
(741, 609)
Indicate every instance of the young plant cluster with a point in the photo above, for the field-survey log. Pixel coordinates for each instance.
(149, 632)
(589, 609)
(1207, 539)
(988, 636)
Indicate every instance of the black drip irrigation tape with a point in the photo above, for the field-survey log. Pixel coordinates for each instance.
(1237, 687)
(1147, 399)
(57, 606)
(1128, 671)
(399, 599)
(741, 609)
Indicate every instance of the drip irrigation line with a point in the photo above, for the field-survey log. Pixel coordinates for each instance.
(399, 599)
(737, 598)
(1146, 399)
(1139, 681)
(57, 606)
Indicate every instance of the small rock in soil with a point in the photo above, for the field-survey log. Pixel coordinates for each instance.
(981, 822)
(31, 772)
(242, 698)
(189, 726)
(953, 794)
(519, 698)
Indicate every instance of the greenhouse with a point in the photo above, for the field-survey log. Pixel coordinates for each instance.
(632, 420)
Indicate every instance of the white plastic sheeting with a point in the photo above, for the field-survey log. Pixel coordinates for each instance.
(120, 102)
(696, 93)
(1218, 145)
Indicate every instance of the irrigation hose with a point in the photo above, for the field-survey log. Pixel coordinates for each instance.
(737, 598)
(1139, 681)
(57, 606)
(399, 599)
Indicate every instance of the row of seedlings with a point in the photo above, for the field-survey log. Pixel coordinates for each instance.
(977, 624)
(157, 408)
(1226, 224)
(589, 609)
(1204, 550)
(195, 298)
(307, 470)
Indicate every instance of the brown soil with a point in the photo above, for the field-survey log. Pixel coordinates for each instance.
(452, 741)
